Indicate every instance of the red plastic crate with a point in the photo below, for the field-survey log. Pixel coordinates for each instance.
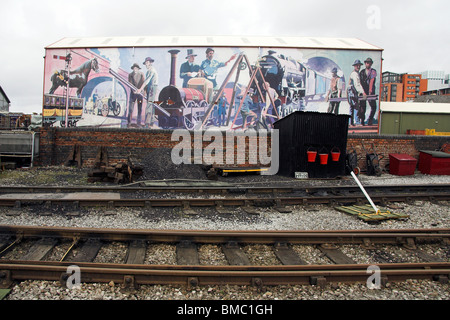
(434, 162)
(402, 164)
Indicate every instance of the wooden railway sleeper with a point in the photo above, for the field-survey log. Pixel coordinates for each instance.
(257, 282)
(5, 279)
(333, 203)
(129, 282)
(280, 207)
(75, 240)
(19, 237)
(187, 208)
(367, 244)
(317, 281)
(442, 278)
(75, 209)
(110, 209)
(220, 208)
(410, 244)
(248, 208)
(192, 282)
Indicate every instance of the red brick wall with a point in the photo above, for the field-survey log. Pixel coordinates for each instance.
(57, 143)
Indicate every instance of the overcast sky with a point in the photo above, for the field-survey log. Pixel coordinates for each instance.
(414, 34)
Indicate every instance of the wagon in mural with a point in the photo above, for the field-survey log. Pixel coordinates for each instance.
(102, 106)
(54, 110)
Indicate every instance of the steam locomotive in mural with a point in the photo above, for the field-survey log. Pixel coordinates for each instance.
(296, 86)
(185, 107)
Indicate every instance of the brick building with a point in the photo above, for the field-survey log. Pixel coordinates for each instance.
(396, 87)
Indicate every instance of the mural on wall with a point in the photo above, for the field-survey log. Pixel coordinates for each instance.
(199, 88)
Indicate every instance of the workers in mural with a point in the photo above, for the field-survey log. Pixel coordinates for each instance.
(197, 95)
(368, 77)
(210, 66)
(136, 78)
(335, 91)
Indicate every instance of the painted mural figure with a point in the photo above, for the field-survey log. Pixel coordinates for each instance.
(246, 110)
(368, 76)
(293, 80)
(355, 89)
(78, 77)
(189, 69)
(136, 78)
(270, 92)
(209, 66)
(222, 110)
(151, 86)
(334, 92)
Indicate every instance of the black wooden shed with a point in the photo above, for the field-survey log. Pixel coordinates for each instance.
(303, 133)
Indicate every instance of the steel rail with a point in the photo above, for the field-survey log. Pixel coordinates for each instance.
(206, 275)
(388, 236)
(218, 189)
(228, 201)
(213, 275)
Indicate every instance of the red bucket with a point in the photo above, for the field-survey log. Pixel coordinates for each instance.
(335, 154)
(323, 158)
(311, 156)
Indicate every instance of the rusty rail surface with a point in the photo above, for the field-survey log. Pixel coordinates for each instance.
(128, 275)
(246, 200)
(136, 274)
(206, 188)
(387, 236)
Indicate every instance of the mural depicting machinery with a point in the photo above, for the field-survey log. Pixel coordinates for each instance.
(252, 89)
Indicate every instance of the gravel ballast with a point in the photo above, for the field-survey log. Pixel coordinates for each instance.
(422, 215)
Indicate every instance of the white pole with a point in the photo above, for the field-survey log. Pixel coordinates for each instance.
(364, 191)
(68, 59)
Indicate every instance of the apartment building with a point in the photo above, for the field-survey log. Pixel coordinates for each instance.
(403, 87)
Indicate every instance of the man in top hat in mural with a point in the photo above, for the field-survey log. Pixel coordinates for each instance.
(189, 69)
(136, 78)
(368, 76)
(355, 89)
(151, 86)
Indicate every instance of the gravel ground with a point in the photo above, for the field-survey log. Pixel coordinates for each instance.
(422, 215)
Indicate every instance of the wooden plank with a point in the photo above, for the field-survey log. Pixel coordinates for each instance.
(40, 249)
(427, 257)
(220, 208)
(187, 253)
(88, 251)
(286, 255)
(336, 255)
(4, 293)
(136, 252)
(366, 213)
(381, 256)
(249, 208)
(235, 255)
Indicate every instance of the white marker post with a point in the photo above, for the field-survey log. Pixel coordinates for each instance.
(364, 191)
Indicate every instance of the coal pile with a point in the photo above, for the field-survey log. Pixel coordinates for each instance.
(158, 165)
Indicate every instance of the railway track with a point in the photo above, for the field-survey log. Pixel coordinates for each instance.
(218, 197)
(207, 188)
(51, 253)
